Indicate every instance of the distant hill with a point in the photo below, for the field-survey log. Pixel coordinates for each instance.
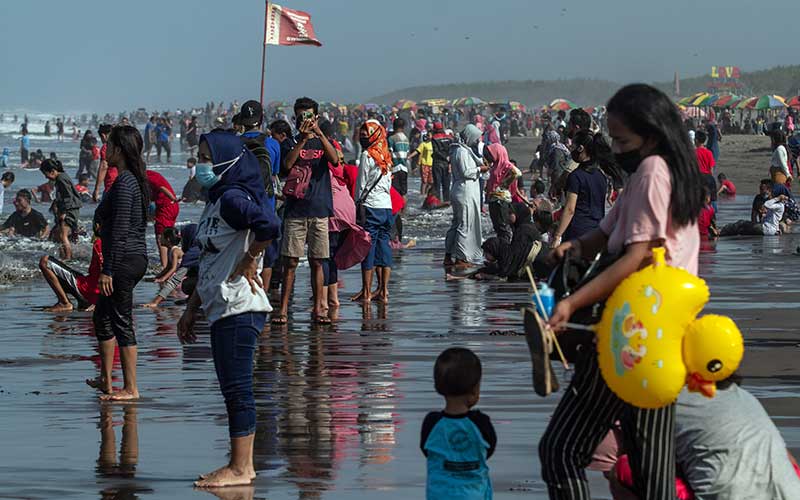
(782, 80)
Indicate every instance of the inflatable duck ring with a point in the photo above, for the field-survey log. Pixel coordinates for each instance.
(650, 342)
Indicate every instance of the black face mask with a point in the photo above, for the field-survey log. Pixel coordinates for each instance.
(629, 160)
(364, 141)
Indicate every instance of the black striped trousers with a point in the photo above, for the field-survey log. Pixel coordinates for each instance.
(582, 419)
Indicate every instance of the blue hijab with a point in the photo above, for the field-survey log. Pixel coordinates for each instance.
(245, 175)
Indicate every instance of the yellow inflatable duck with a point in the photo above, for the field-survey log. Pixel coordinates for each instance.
(650, 342)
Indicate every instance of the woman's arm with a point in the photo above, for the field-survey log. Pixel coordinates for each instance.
(169, 194)
(174, 263)
(566, 217)
(635, 257)
(101, 177)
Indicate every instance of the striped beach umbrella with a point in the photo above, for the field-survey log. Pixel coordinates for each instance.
(562, 105)
(403, 104)
(767, 102)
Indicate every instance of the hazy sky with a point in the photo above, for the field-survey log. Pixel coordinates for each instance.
(92, 55)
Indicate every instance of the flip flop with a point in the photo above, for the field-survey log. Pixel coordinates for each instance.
(539, 345)
(320, 320)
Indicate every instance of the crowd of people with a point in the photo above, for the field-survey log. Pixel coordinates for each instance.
(616, 184)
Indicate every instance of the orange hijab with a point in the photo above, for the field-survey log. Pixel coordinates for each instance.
(378, 146)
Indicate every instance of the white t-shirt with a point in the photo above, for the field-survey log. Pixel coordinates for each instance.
(368, 173)
(223, 248)
(771, 223)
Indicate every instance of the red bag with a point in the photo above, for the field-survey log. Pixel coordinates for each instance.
(297, 182)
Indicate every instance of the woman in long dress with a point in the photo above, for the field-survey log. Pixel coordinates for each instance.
(463, 242)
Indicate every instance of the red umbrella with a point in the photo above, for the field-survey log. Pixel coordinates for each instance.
(794, 102)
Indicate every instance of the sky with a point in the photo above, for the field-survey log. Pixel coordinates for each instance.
(112, 55)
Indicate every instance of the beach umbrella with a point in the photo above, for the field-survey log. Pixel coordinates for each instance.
(434, 102)
(692, 100)
(746, 103)
(468, 101)
(767, 102)
(405, 104)
(794, 102)
(725, 100)
(562, 105)
(516, 106)
(709, 100)
(589, 109)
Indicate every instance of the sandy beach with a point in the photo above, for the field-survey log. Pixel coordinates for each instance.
(339, 408)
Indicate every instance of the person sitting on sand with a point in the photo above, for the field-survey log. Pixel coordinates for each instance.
(172, 275)
(770, 225)
(460, 470)
(707, 221)
(25, 221)
(726, 187)
(65, 281)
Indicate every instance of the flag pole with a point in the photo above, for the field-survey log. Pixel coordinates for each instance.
(264, 51)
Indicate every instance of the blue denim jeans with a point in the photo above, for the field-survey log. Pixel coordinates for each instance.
(379, 226)
(233, 345)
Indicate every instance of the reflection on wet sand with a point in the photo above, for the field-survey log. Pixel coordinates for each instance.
(113, 467)
(321, 397)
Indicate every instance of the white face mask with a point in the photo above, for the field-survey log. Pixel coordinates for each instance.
(205, 175)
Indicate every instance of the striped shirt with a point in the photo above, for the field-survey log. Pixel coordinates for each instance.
(399, 146)
(122, 223)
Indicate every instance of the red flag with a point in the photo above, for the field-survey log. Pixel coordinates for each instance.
(289, 27)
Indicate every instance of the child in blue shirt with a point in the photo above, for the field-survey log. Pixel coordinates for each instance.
(458, 441)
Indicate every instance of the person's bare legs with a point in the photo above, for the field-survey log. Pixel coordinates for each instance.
(317, 287)
(163, 253)
(386, 273)
(239, 470)
(128, 356)
(333, 295)
(289, 272)
(66, 247)
(266, 278)
(103, 382)
(63, 304)
(366, 286)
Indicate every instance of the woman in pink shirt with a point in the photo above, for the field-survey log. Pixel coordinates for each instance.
(658, 207)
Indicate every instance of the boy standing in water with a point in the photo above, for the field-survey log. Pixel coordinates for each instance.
(24, 147)
(458, 441)
(66, 206)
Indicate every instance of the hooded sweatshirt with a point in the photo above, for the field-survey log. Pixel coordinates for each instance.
(235, 216)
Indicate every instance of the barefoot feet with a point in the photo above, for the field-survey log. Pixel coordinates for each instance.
(123, 395)
(59, 308)
(226, 476)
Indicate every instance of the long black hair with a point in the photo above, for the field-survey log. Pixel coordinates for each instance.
(130, 143)
(599, 151)
(649, 113)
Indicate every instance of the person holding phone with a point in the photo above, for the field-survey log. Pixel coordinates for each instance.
(306, 214)
(659, 207)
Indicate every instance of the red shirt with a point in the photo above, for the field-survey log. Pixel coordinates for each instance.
(350, 176)
(157, 181)
(87, 285)
(111, 173)
(705, 160)
(704, 220)
(731, 189)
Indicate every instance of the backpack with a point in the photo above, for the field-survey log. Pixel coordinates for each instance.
(260, 151)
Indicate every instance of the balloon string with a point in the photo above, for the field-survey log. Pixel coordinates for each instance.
(549, 330)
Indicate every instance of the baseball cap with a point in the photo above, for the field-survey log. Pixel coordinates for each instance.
(438, 126)
(251, 113)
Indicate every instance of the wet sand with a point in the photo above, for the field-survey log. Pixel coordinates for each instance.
(340, 408)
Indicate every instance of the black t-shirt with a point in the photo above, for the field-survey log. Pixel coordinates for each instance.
(481, 421)
(591, 186)
(318, 201)
(30, 225)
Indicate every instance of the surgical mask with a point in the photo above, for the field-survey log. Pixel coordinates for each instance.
(629, 160)
(204, 172)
